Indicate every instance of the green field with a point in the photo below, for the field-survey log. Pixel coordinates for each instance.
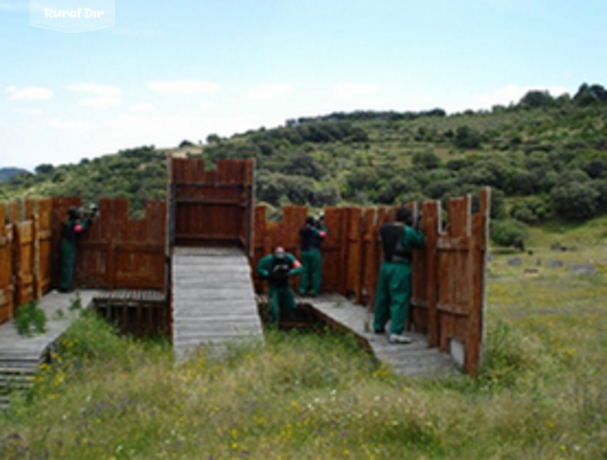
(542, 392)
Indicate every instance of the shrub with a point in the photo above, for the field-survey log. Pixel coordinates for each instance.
(467, 138)
(575, 201)
(508, 233)
(30, 319)
(426, 160)
(531, 210)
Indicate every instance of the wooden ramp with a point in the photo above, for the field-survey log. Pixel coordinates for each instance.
(213, 300)
(20, 357)
(414, 359)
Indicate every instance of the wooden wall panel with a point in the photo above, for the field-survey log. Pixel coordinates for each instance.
(44, 234)
(7, 304)
(213, 207)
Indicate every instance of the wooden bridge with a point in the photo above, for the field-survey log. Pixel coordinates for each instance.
(192, 255)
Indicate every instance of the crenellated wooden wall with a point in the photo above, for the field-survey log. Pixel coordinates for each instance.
(120, 252)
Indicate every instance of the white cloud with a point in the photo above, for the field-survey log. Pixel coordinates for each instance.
(104, 96)
(70, 125)
(142, 108)
(184, 87)
(27, 111)
(510, 94)
(351, 90)
(32, 93)
(270, 90)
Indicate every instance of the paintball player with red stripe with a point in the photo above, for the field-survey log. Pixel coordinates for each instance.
(76, 224)
(277, 268)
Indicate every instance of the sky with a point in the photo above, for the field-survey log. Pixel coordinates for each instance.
(170, 71)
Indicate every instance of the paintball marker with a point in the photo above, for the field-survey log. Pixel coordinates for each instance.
(89, 212)
(280, 269)
(419, 222)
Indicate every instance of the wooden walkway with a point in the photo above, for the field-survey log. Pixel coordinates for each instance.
(212, 299)
(20, 357)
(414, 359)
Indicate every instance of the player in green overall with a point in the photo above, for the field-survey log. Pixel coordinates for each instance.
(394, 283)
(310, 238)
(277, 268)
(72, 228)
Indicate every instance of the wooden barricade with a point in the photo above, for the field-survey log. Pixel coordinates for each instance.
(211, 207)
(119, 252)
(7, 302)
(25, 253)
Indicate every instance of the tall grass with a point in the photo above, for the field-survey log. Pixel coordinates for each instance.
(542, 392)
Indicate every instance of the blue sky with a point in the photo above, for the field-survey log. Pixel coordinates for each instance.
(185, 69)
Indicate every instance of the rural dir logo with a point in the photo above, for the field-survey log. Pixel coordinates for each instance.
(72, 16)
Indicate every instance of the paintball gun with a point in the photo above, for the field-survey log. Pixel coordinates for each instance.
(89, 212)
(280, 270)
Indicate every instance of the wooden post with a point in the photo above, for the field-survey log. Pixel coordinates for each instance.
(431, 225)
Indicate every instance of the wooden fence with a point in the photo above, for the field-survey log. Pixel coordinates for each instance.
(448, 280)
(25, 253)
(116, 252)
(120, 252)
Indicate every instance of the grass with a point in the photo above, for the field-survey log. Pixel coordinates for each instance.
(542, 392)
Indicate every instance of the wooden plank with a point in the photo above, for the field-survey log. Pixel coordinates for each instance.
(213, 308)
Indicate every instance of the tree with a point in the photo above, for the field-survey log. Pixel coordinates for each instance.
(589, 95)
(535, 99)
(213, 139)
(575, 201)
(508, 233)
(44, 168)
(303, 164)
(426, 160)
(531, 210)
(467, 138)
(186, 143)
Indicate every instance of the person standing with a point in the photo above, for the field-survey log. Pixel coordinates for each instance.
(75, 225)
(394, 282)
(277, 268)
(310, 238)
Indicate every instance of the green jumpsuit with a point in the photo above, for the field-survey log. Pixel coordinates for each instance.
(69, 238)
(394, 287)
(279, 291)
(311, 260)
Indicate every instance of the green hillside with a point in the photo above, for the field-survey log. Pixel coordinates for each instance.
(544, 157)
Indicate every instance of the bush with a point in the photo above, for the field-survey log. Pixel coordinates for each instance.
(508, 233)
(426, 160)
(575, 201)
(531, 210)
(30, 319)
(467, 138)
(303, 163)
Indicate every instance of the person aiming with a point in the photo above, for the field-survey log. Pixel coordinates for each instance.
(394, 282)
(310, 238)
(277, 268)
(74, 226)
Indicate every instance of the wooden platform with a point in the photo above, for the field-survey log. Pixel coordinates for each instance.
(414, 359)
(212, 298)
(20, 357)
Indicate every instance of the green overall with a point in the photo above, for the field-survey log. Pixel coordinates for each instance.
(69, 239)
(394, 287)
(311, 259)
(279, 291)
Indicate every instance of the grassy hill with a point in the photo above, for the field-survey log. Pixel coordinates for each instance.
(545, 158)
